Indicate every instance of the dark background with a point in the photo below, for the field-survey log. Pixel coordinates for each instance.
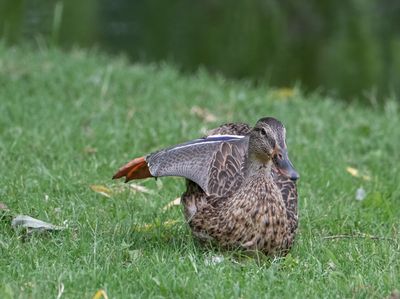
(347, 48)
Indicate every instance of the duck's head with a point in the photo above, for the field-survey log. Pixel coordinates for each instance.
(267, 143)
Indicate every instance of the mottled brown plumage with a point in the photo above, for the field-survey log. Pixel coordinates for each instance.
(241, 190)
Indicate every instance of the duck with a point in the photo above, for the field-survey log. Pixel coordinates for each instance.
(241, 187)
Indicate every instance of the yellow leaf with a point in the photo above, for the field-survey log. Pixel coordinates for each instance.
(100, 294)
(354, 172)
(103, 190)
(175, 202)
(284, 93)
(150, 226)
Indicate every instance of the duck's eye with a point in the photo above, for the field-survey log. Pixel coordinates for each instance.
(263, 132)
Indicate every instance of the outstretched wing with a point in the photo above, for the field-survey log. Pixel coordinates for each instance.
(214, 163)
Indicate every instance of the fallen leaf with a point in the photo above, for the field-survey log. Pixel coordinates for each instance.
(360, 194)
(203, 113)
(33, 224)
(284, 93)
(354, 172)
(175, 202)
(149, 226)
(119, 188)
(140, 188)
(90, 150)
(100, 294)
(107, 192)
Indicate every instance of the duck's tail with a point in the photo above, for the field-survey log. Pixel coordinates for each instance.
(135, 169)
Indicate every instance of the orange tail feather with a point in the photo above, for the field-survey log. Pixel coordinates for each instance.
(135, 169)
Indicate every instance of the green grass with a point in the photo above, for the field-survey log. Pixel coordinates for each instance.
(56, 105)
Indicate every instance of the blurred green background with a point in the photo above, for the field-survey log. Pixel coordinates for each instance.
(347, 48)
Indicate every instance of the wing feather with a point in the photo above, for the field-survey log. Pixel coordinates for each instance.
(226, 169)
(213, 162)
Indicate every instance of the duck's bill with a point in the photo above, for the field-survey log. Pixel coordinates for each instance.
(285, 167)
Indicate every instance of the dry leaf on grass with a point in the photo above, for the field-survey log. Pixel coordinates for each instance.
(90, 150)
(108, 192)
(175, 202)
(352, 171)
(284, 93)
(355, 173)
(100, 294)
(203, 113)
(139, 188)
(32, 224)
(103, 190)
(149, 226)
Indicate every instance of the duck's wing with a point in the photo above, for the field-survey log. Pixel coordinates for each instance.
(227, 168)
(215, 163)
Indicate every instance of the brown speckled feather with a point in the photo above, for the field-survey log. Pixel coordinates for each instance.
(288, 190)
(226, 168)
(231, 129)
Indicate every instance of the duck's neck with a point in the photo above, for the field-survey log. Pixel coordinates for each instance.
(256, 166)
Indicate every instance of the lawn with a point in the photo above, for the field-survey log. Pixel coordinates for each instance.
(68, 120)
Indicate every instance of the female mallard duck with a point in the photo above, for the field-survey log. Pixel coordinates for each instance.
(241, 185)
